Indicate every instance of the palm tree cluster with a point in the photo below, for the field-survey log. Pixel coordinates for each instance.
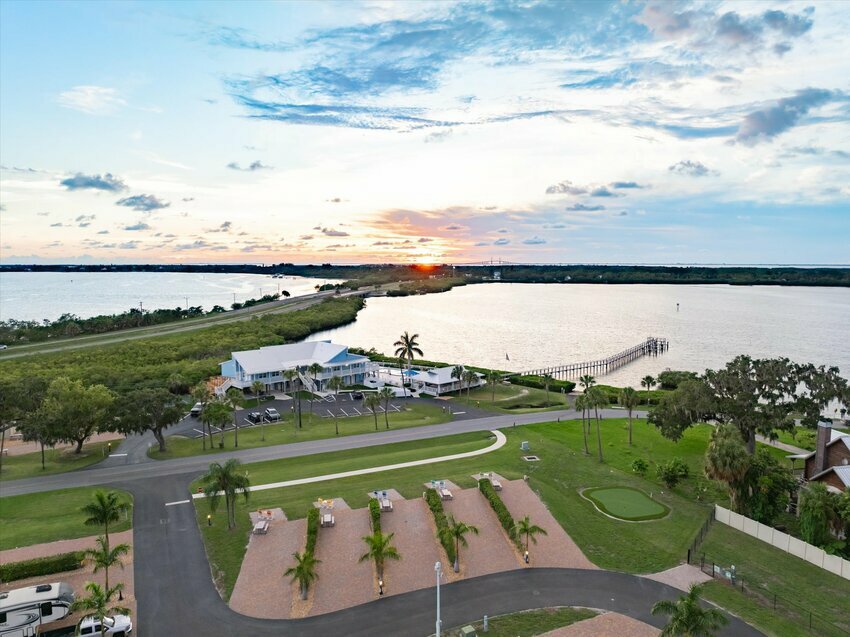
(379, 549)
(226, 480)
(688, 618)
(456, 532)
(304, 571)
(591, 401)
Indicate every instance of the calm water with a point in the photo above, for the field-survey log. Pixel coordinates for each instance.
(540, 325)
(48, 295)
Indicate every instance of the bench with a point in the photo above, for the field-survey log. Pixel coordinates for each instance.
(386, 505)
(445, 494)
(261, 527)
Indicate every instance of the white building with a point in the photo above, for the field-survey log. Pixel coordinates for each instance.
(268, 365)
(439, 380)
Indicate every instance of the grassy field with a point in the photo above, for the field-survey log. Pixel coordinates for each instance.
(528, 623)
(800, 586)
(514, 399)
(55, 461)
(46, 517)
(562, 471)
(415, 414)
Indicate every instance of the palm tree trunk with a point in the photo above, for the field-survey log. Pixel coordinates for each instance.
(630, 426)
(375, 414)
(584, 432)
(598, 434)
(2, 446)
(42, 455)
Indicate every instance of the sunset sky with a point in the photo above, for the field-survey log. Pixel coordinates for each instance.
(602, 132)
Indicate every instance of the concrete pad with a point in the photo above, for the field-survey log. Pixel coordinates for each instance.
(488, 552)
(339, 504)
(262, 589)
(343, 581)
(412, 523)
(392, 494)
(681, 576)
(451, 486)
(607, 625)
(277, 515)
(556, 549)
(61, 546)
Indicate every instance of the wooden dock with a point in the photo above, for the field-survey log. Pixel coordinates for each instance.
(652, 346)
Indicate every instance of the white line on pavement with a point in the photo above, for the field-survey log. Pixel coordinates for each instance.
(500, 442)
(117, 455)
(171, 504)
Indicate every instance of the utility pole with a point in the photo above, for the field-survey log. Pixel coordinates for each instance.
(187, 302)
(437, 568)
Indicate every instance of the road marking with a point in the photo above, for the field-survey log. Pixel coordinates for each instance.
(458, 413)
(500, 442)
(117, 455)
(171, 504)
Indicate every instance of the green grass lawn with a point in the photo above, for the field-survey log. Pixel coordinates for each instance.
(626, 504)
(562, 471)
(514, 399)
(528, 623)
(801, 587)
(55, 461)
(416, 414)
(46, 517)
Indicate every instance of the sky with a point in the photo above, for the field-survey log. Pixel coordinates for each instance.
(457, 132)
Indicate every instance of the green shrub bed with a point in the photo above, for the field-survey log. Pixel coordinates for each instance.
(505, 517)
(536, 382)
(312, 530)
(435, 503)
(41, 566)
(375, 514)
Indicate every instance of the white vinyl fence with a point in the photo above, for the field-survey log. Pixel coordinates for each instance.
(784, 542)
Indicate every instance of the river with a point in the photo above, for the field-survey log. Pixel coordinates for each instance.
(520, 326)
(35, 296)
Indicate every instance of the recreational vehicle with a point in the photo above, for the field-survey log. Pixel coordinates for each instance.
(24, 610)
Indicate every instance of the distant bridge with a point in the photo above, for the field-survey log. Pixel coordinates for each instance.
(652, 346)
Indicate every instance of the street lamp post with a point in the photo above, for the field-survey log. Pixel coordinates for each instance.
(437, 568)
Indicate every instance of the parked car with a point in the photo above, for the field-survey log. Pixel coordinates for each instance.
(197, 409)
(271, 414)
(114, 626)
(358, 395)
(255, 417)
(3, 346)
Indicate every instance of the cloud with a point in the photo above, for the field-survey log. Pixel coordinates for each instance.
(129, 245)
(306, 237)
(195, 245)
(603, 191)
(84, 221)
(620, 185)
(187, 199)
(452, 227)
(424, 240)
(438, 136)
(481, 244)
(691, 168)
(503, 231)
(103, 231)
(57, 225)
(253, 166)
(236, 38)
(533, 241)
(501, 241)
(105, 182)
(815, 151)
(94, 100)
(765, 124)
(227, 226)
(565, 188)
(143, 203)
(334, 200)
(330, 232)
(141, 225)
(583, 207)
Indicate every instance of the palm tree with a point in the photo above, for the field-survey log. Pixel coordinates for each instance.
(687, 617)
(234, 400)
(291, 375)
(728, 460)
(401, 370)
(372, 401)
(336, 383)
(456, 532)
(597, 399)
(202, 394)
(648, 382)
(216, 413)
(529, 530)
(304, 571)
(629, 399)
(469, 377)
(457, 372)
(314, 370)
(493, 377)
(257, 387)
(380, 549)
(407, 347)
(99, 603)
(226, 480)
(386, 395)
(582, 404)
(587, 381)
(547, 379)
(103, 557)
(105, 508)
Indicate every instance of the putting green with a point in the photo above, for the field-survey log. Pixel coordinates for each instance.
(626, 503)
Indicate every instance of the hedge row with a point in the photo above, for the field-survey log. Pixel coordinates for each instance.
(435, 503)
(499, 507)
(536, 382)
(312, 530)
(41, 566)
(375, 513)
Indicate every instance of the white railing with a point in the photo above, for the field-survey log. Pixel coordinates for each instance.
(784, 542)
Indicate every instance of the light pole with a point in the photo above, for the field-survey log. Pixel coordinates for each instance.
(437, 568)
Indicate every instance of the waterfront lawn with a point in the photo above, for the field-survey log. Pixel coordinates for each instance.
(416, 414)
(766, 571)
(55, 461)
(563, 470)
(36, 518)
(529, 623)
(515, 399)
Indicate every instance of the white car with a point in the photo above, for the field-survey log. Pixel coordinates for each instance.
(272, 415)
(4, 346)
(116, 626)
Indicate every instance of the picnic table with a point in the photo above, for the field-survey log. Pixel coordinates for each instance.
(386, 505)
(261, 527)
(445, 494)
(327, 519)
(496, 484)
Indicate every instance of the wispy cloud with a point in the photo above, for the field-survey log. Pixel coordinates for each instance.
(332, 232)
(691, 168)
(105, 182)
(766, 123)
(253, 166)
(143, 203)
(141, 225)
(94, 100)
(533, 241)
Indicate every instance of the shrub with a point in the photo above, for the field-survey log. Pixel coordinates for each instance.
(673, 472)
(41, 566)
(505, 517)
(639, 466)
(670, 379)
(312, 530)
(432, 498)
(536, 382)
(375, 514)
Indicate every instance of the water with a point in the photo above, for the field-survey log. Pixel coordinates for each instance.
(47, 295)
(539, 325)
